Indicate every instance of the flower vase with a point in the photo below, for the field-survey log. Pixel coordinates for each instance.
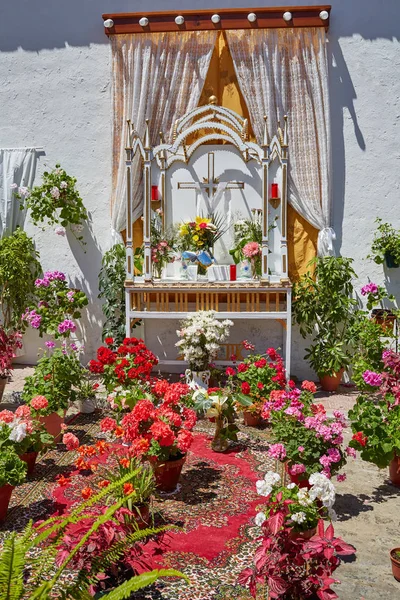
(157, 270)
(219, 443)
(5, 497)
(253, 268)
(30, 459)
(198, 379)
(167, 474)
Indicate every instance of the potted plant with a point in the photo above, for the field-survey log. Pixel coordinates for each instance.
(386, 245)
(200, 337)
(302, 508)
(303, 436)
(376, 418)
(257, 375)
(252, 413)
(8, 344)
(12, 473)
(323, 307)
(52, 387)
(57, 306)
(22, 431)
(86, 396)
(56, 202)
(395, 560)
(19, 268)
(375, 295)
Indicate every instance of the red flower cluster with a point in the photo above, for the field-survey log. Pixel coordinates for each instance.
(360, 438)
(258, 376)
(132, 361)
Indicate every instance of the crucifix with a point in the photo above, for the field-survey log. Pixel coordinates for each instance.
(211, 184)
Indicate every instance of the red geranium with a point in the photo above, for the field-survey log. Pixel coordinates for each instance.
(360, 438)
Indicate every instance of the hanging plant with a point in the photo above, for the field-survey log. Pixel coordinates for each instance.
(55, 202)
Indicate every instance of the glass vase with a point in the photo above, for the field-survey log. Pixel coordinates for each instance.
(219, 443)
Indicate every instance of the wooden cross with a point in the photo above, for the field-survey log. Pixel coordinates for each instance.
(211, 184)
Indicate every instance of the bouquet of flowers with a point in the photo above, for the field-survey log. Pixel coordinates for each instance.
(57, 306)
(160, 432)
(200, 234)
(129, 363)
(304, 435)
(162, 247)
(200, 337)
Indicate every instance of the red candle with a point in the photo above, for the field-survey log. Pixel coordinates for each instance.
(232, 269)
(274, 190)
(154, 193)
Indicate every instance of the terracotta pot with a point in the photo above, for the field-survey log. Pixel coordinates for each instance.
(330, 383)
(167, 474)
(53, 424)
(385, 318)
(300, 480)
(394, 471)
(250, 419)
(305, 535)
(5, 497)
(30, 459)
(3, 382)
(395, 563)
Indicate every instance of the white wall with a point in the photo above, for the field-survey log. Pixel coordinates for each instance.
(55, 93)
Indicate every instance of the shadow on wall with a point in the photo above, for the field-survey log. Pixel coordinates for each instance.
(88, 258)
(40, 24)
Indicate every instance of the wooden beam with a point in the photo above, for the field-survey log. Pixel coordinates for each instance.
(200, 20)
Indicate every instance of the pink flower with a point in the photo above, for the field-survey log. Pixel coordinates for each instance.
(370, 288)
(341, 477)
(71, 441)
(248, 345)
(277, 451)
(6, 416)
(66, 325)
(108, 424)
(251, 249)
(60, 231)
(297, 469)
(351, 452)
(23, 411)
(230, 372)
(372, 378)
(39, 402)
(300, 449)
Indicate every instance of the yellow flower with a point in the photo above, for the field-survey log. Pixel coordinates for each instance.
(195, 238)
(183, 230)
(202, 220)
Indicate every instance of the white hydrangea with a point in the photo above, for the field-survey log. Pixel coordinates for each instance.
(260, 518)
(299, 517)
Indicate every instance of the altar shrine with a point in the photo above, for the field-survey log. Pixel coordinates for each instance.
(210, 173)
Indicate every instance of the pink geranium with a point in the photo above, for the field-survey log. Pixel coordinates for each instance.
(39, 402)
(251, 250)
(71, 441)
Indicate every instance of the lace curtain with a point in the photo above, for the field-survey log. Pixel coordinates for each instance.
(157, 77)
(285, 71)
(17, 166)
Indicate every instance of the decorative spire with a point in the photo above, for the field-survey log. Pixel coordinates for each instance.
(212, 100)
(128, 135)
(285, 131)
(265, 135)
(146, 144)
(280, 134)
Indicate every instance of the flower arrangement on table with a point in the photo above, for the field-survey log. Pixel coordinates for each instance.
(247, 240)
(303, 436)
(162, 247)
(57, 306)
(56, 378)
(56, 201)
(130, 363)
(256, 377)
(288, 563)
(199, 236)
(376, 418)
(200, 337)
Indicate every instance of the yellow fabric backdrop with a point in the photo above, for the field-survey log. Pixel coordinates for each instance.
(221, 82)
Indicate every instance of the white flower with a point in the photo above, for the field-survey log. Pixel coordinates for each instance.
(18, 432)
(303, 497)
(77, 228)
(332, 514)
(55, 192)
(323, 489)
(63, 185)
(260, 518)
(291, 486)
(14, 186)
(299, 517)
(60, 231)
(272, 478)
(23, 191)
(263, 488)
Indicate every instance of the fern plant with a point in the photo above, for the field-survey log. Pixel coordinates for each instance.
(42, 580)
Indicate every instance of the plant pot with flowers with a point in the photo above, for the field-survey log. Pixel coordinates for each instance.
(375, 296)
(324, 308)
(52, 387)
(160, 434)
(22, 431)
(386, 245)
(302, 508)
(376, 418)
(200, 337)
(12, 473)
(303, 436)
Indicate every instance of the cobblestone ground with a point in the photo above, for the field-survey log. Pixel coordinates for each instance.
(368, 508)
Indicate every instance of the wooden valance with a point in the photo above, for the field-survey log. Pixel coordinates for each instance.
(198, 20)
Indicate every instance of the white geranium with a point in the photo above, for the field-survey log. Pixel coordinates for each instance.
(304, 497)
(63, 185)
(260, 518)
(299, 517)
(291, 486)
(322, 489)
(272, 477)
(55, 192)
(263, 488)
(18, 431)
